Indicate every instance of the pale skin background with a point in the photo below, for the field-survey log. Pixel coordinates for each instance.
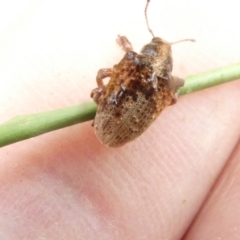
(179, 180)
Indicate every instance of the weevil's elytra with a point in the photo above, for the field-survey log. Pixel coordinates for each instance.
(140, 87)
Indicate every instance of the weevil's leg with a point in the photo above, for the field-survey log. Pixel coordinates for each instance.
(103, 73)
(97, 92)
(176, 83)
(174, 99)
(124, 43)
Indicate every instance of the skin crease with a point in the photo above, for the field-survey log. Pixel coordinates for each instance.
(179, 180)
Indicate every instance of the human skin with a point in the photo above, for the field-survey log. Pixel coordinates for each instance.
(179, 180)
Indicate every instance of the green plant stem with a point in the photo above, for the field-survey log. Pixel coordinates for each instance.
(212, 78)
(28, 126)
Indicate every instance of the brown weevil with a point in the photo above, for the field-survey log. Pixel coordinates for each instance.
(140, 87)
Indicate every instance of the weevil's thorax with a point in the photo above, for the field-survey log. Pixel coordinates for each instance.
(161, 54)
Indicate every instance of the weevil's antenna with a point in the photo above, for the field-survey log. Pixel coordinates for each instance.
(183, 40)
(146, 17)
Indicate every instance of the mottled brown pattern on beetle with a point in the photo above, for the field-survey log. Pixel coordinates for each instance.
(130, 102)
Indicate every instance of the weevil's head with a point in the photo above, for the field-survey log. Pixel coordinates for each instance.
(157, 48)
